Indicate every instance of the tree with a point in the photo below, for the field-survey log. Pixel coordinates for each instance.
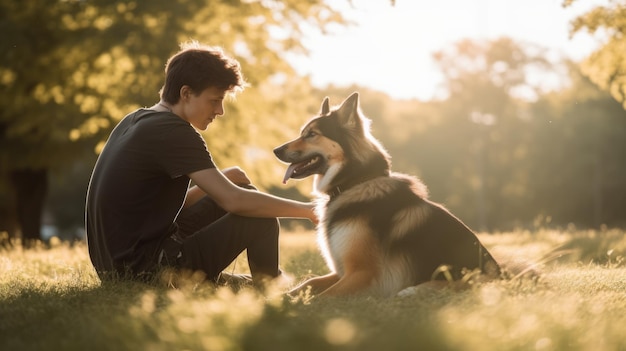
(578, 155)
(490, 86)
(69, 70)
(606, 67)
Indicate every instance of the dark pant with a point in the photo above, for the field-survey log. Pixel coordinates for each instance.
(210, 239)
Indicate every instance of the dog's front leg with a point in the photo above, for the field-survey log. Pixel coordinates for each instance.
(317, 284)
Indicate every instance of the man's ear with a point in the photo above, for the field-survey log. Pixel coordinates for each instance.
(185, 92)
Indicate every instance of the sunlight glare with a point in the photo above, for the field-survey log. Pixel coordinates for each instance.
(340, 331)
(390, 48)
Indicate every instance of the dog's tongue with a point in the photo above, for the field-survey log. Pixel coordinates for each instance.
(290, 171)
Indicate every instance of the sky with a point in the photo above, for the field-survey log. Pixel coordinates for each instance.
(390, 48)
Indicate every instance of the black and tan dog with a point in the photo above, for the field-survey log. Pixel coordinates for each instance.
(378, 231)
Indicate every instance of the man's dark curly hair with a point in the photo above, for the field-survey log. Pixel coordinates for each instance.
(199, 67)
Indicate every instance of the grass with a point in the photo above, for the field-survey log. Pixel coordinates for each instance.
(50, 298)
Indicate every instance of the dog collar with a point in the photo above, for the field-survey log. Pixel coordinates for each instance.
(334, 192)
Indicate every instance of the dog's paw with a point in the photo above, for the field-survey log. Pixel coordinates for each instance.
(407, 292)
(424, 289)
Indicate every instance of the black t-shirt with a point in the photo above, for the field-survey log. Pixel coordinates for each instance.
(138, 187)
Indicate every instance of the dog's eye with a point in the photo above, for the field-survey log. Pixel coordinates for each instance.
(310, 134)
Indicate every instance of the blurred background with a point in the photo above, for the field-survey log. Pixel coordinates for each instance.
(511, 112)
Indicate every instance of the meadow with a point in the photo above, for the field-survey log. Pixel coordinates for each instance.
(50, 298)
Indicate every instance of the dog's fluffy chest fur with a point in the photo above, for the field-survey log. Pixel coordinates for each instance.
(370, 214)
(335, 243)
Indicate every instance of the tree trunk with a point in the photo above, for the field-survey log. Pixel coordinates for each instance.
(597, 192)
(30, 189)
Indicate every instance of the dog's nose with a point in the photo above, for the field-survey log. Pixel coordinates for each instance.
(279, 151)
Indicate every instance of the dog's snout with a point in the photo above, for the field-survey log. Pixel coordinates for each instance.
(280, 150)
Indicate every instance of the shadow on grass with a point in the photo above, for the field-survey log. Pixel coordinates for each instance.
(362, 323)
(72, 318)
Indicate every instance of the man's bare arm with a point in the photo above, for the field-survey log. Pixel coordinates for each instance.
(244, 202)
(235, 174)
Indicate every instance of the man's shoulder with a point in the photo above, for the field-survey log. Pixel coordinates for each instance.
(155, 116)
(158, 120)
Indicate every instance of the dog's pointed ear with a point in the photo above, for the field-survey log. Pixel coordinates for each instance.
(325, 106)
(348, 112)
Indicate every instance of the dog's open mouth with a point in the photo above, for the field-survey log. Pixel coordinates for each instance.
(303, 169)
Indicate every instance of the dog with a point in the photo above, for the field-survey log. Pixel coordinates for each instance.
(377, 229)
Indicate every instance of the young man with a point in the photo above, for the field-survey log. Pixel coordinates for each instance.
(141, 213)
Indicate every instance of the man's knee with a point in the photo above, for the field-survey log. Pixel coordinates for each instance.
(266, 226)
(269, 225)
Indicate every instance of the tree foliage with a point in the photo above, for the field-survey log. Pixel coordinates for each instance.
(500, 150)
(79, 66)
(607, 65)
(500, 159)
(578, 158)
(490, 86)
(69, 70)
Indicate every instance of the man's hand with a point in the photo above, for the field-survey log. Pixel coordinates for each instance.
(236, 175)
(314, 219)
